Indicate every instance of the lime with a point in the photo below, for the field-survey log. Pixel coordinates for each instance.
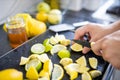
(11, 74)
(35, 63)
(82, 61)
(46, 41)
(32, 73)
(66, 61)
(57, 73)
(93, 62)
(95, 73)
(86, 76)
(64, 53)
(38, 48)
(76, 47)
(48, 47)
(57, 48)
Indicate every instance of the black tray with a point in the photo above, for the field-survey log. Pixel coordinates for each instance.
(11, 59)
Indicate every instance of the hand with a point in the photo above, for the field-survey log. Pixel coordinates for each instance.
(109, 48)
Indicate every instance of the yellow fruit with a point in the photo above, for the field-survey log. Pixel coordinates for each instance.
(83, 69)
(76, 47)
(43, 73)
(86, 76)
(95, 73)
(57, 73)
(82, 61)
(37, 28)
(55, 16)
(64, 54)
(43, 7)
(66, 61)
(65, 42)
(11, 74)
(4, 28)
(93, 62)
(23, 60)
(42, 16)
(43, 58)
(53, 40)
(48, 66)
(32, 73)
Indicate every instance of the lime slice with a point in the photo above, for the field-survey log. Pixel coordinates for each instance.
(64, 53)
(32, 73)
(46, 41)
(43, 58)
(57, 48)
(82, 61)
(76, 47)
(57, 73)
(93, 62)
(86, 76)
(35, 63)
(48, 47)
(95, 73)
(37, 48)
(66, 61)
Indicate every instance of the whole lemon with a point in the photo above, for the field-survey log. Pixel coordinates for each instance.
(42, 16)
(55, 16)
(11, 74)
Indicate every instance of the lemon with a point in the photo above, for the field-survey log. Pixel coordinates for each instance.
(43, 57)
(38, 48)
(95, 73)
(65, 42)
(57, 48)
(32, 73)
(48, 47)
(53, 40)
(48, 66)
(11, 74)
(55, 16)
(23, 60)
(35, 63)
(82, 61)
(86, 76)
(42, 16)
(57, 73)
(43, 7)
(83, 69)
(43, 78)
(66, 61)
(33, 56)
(45, 74)
(59, 37)
(76, 47)
(93, 62)
(64, 53)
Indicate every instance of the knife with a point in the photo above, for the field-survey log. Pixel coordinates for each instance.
(84, 43)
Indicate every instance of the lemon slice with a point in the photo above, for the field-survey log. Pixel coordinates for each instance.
(65, 42)
(57, 73)
(95, 73)
(59, 37)
(34, 56)
(38, 48)
(35, 63)
(66, 61)
(23, 60)
(64, 53)
(86, 76)
(44, 74)
(93, 62)
(43, 57)
(82, 61)
(53, 40)
(57, 48)
(76, 47)
(43, 78)
(32, 73)
(83, 69)
(48, 66)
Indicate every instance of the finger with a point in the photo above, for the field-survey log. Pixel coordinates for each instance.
(85, 50)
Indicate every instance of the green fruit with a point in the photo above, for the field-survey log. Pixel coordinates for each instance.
(48, 47)
(43, 7)
(64, 54)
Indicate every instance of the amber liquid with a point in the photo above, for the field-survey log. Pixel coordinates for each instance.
(17, 36)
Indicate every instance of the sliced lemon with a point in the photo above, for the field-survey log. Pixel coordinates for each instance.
(43, 78)
(48, 66)
(93, 62)
(57, 48)
(83, 69)
(86, 76)
(32, 73)
(57, 73)
(95, 73)
(23, 60)
(33, 56)
(43, 57)
(36, 63)
(64, 53)
(59, 37)
(44, 74)
(82, 61)
(65, 42)
(66, 61)
(53, 40)
(76, 47)
(38, 48)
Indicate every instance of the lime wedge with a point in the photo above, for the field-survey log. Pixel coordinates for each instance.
(38, 48)
(35, 63)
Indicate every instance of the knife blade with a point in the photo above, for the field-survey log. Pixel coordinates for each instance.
(83, 43)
